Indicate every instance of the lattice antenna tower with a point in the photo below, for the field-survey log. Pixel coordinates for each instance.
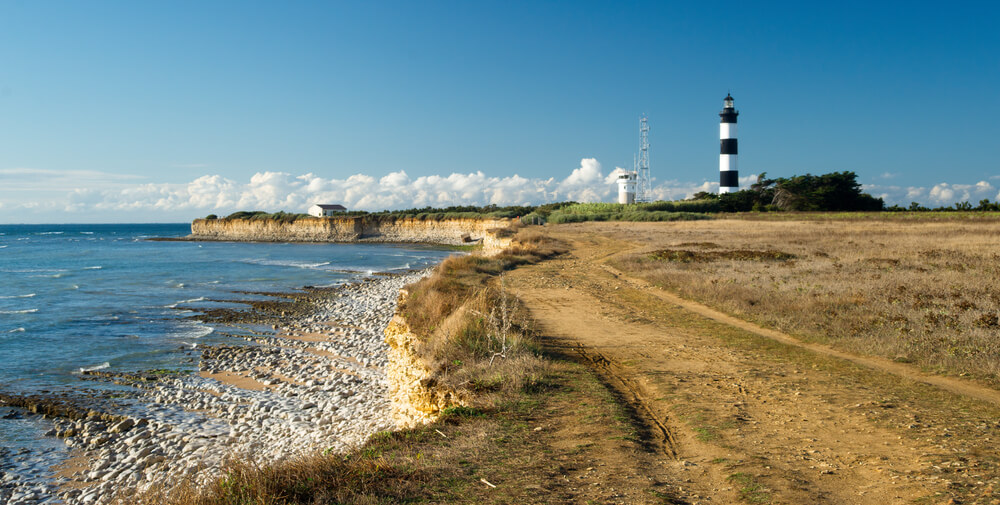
(644, 190)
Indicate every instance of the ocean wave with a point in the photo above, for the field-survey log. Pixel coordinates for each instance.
(50, 233)
(192, 300)
(86, 233)
(350, 269)
(32, 270)
(175, 284)
(287, 263)
(102, 366)
(29, 295)
(98, 267)
(16, 330)
(3, 247)
(24, 311)
(195, 332)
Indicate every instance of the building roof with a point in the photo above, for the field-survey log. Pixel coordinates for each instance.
(330, 206)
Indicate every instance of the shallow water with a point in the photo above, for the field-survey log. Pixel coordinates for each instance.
(94, 297)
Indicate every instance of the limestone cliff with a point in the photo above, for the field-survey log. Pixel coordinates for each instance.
(414, 396)
(352, 229)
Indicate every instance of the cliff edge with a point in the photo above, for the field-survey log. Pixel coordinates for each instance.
(352, 229)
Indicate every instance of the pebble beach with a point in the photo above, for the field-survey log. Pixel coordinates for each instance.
(316, 382)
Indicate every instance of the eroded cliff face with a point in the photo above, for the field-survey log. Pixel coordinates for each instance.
(415, 398)
(351, 229)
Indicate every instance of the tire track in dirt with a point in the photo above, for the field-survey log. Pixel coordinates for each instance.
(635, 395)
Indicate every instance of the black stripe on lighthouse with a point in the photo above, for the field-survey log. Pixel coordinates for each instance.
(728, 146)
(729, 179)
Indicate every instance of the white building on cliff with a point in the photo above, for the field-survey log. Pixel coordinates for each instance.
(326, 210)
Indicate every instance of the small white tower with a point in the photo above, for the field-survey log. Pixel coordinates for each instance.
(729, 176)
(626, 187)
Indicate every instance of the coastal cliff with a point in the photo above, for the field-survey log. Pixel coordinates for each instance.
(351, 229)
(413, 394)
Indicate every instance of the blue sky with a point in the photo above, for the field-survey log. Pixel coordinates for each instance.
(139, 111)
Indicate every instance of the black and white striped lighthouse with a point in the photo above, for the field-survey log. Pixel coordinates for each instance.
(729, 177)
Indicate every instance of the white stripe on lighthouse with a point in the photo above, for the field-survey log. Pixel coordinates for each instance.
(727, 130)
(727, 162)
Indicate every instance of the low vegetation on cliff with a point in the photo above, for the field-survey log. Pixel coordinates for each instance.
(475, 336)
(420, 214)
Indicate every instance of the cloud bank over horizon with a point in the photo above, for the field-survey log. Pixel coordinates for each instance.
(41, 195)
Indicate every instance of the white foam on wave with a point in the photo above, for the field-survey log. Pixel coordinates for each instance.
(32, 270)
(25, 311)
(175, 284)
(3, 247)
(287, 263)
(192, 300)
(197, 331)
(102, 366)
(16, 330)
(86, 233)
(29, 295)
(98, 267)
(50, 233)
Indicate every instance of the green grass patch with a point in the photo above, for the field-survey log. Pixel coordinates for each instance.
(750, 490)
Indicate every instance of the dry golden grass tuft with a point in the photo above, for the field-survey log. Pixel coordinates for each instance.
(923, 292)
(362, 477)
(487, 346)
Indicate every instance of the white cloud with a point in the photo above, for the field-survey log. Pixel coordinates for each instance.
(111, 197)
(943, 194)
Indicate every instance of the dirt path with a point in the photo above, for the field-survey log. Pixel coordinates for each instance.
(957, 386)
(745, 414)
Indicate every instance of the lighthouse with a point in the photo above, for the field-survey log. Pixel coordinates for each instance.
(729, 177)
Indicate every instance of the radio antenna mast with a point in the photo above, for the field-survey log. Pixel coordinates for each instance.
(644, 191)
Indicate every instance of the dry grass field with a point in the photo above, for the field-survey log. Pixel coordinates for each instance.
(925, 292)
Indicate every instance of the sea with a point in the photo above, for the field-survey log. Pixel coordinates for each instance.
(91, 297)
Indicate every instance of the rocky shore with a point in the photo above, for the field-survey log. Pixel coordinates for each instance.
(317, 382)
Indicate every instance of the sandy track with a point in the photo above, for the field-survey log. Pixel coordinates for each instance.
(738, 423)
